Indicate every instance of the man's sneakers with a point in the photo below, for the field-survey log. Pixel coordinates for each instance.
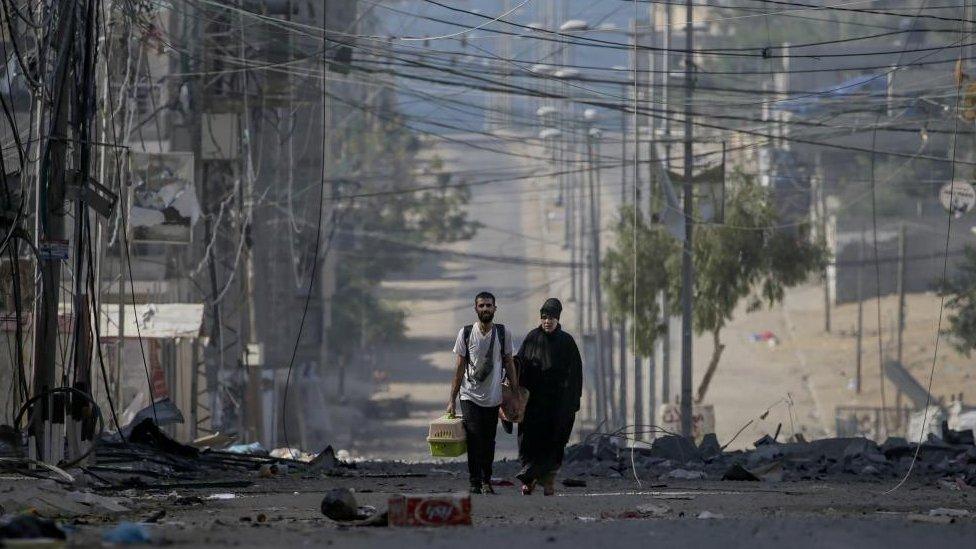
(481, 489)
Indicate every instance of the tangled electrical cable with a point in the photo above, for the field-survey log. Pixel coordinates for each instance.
(78, 393)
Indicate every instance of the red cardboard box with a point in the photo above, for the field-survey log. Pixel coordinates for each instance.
(430, 510)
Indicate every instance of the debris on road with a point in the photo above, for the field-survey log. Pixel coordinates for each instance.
(945, 512)
(738, 472)
(706, 515)
(430, 510)
(127, 533)
(951, 459)
(653, 510)
(340, 505)
(29, 526)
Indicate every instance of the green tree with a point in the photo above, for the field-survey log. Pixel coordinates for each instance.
(959, 293)
(748, 256)
(375, 234)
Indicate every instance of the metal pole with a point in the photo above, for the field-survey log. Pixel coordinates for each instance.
(687, 268)
(602, 369)
(860, 312)
(902, 245)
(665, 305)
(51, 213)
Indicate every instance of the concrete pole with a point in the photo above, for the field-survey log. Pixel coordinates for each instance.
(46, 422)
(687, 267)
(860, 312)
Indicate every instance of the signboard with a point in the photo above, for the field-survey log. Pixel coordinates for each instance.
(164, 203)
(957, 197)
(53, 249)
(702, 419)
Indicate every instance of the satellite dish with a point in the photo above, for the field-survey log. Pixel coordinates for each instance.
(957, 197)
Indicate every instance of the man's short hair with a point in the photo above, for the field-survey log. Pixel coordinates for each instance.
(485, 295)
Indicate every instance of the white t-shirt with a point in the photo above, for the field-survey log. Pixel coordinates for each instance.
(488, 392)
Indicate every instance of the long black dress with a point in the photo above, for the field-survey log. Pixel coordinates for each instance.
(552, 371)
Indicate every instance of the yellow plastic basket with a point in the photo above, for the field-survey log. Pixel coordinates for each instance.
(446, 437)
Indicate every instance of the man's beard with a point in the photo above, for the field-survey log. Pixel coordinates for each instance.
(486, 316)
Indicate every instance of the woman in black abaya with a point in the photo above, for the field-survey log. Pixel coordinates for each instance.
(552, 371)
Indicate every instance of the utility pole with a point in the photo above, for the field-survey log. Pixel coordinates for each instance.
(253, 358)
(823, 234)
(46, 422)
(595, 275)
(653, 191)
(81, 429)
(665, 302)
(860, 312)
(687, 267)
(902, 245)
(638, 378)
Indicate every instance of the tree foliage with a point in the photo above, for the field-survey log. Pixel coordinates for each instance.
(960, 299)
(375, 235)
(748, 256)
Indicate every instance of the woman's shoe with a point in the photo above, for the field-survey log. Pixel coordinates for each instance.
(549, 485)
(487, 489)
(475, 489)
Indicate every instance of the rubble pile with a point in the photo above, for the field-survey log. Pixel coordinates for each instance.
(951, 457)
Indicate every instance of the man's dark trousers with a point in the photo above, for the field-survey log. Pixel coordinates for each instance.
(480, 424)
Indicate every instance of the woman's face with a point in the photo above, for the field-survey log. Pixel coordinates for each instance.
(549, 323)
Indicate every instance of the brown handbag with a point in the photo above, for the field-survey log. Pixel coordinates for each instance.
(513, 402)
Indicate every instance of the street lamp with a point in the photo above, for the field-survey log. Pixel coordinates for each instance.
(574, 25)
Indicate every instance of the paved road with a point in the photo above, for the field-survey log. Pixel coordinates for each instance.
(752, 515)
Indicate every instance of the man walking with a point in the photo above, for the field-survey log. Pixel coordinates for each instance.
(482, 350)
(552, 371)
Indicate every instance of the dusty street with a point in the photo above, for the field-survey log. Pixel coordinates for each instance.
(806, 514)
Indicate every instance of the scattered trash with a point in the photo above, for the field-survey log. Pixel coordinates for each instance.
(154, 517)
(222, 496)
(29, 526)
(254, 449)
(291, 453)
(946, 512)
(188, 500)
(676, 448)
(270, 470)
(325, 461)
(127, 533)
(951, 436)
(684, 474)
(705, 515)
(738, 472)
(771, 472)
(915, 517)
(709, 446)
(215, 440)
(379, 519)
(444, 472)
(653, 510)
(340, 505)
(574, 483)
(586, 519)
(148, 433)
(52, 499)
(767, 337)
(430, 510)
